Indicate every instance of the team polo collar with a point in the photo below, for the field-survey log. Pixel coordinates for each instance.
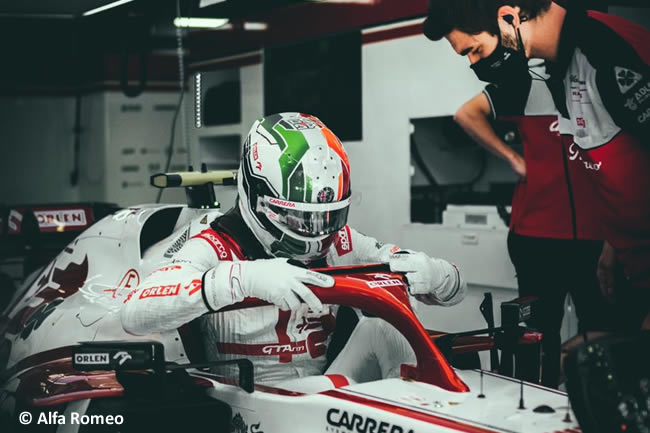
(576, 16)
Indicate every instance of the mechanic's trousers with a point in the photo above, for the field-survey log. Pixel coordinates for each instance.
(549, 269)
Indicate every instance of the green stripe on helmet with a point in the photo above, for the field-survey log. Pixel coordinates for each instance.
(297, 185)
(296, 148)
(268, 123)
(308, 187)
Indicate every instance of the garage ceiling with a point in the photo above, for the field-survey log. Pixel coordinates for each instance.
(72, 8)
(54, 8)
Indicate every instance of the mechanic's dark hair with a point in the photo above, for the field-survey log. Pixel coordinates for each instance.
(474, 16)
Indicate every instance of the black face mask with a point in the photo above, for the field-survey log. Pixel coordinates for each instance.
(504, 65)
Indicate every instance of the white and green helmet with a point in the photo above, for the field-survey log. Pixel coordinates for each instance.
(294, 185)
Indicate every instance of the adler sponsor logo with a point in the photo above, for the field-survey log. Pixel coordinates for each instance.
(384, 283)
(161, 291)
(91, 358)
(642, 94)
(282, 203)
(341, 421)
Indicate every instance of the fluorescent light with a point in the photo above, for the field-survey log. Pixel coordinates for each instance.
(255, 27)
(202, 23)
(204, 3)
(359, 2)
(105, 7)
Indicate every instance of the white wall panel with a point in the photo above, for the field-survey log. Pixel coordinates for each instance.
(402, 79)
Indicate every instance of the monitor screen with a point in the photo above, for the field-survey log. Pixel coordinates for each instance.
(320, 77)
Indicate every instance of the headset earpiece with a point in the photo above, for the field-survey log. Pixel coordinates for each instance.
(509, 19)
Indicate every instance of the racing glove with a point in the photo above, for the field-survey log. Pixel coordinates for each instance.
(272, 280)
(432, 281)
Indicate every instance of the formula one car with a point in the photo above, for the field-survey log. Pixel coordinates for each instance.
(64, 355)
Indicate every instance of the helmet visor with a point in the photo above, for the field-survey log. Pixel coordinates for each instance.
(306, 219)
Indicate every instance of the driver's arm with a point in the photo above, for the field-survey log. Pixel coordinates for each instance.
(431, 280)
(197, 282)
(173, 294)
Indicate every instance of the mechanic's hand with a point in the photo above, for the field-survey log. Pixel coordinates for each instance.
(280, 283)
(605, 271)
(432, 281)
(518, 165)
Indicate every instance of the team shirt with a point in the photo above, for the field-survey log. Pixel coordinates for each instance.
(600, 85)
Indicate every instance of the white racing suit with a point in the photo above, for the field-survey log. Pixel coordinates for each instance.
(283, 345)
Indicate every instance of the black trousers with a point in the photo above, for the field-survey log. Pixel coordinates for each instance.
(550, 269)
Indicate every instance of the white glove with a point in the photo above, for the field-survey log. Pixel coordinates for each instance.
(272, 280)
(432, 281)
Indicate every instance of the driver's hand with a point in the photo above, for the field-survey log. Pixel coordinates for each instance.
(432, 281)
(278, 282)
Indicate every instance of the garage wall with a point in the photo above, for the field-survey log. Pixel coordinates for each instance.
(402, 79)
(37, 145)
(36, 149)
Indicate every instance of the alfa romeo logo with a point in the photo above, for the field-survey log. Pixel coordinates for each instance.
(326, 195)
(626, 77)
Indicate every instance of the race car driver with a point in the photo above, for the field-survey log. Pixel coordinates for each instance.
(599, 78)
(292, 208)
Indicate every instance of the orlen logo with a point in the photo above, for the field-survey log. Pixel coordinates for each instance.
(282, 203)
(221, 250)
(383, 283)
(56, 218)
(91, 358)
(161, 291)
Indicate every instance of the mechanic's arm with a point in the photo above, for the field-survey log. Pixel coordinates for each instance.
(474, 117)
(431, 281)
(196, 283)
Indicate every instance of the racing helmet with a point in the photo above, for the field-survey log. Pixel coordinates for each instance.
(294, 185)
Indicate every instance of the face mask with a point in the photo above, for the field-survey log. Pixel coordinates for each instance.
(504, 65)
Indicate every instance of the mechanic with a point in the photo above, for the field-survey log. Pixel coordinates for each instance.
(600, 82)
(292, 209)
(549, 226)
